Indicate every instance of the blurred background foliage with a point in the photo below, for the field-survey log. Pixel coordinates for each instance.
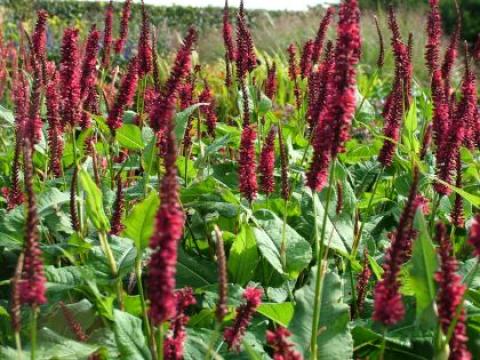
(273, 30)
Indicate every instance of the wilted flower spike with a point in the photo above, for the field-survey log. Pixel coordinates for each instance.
(267, 163)
(381, 52)
(362, 283)
(125, 96)
(458, 218)
(233, 335)
(283, 348)
(450, 297)
(121, 41)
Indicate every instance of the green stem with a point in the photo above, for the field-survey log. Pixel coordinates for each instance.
(321, 265)
(33, 332)
(213, 339)
(138, 273)
(18, 344)
(113, 265)
(160, 342)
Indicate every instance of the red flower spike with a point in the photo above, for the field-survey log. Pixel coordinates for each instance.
(228, 35)
(209, 110)
(233, 335)
(267, 163)
(392, 127)
(306, 63)
(118, 208)
(107, 35)
(388, 304)
(125, 96)
(175, 339)
(283, 348)
(450, 296)
(70, 78)
(122, 40)
(32, 285)
(362, 283)
(247, 164)
(55, 138)
(474, 236)
(164, 109)
(167, 234)
(271, 82)
(145, 56)
(321, 34)
(39, 38)
(434, 31)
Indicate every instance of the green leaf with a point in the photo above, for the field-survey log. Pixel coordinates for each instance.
(140, 223)
(94, 202)
(269, 235)
(243, 257)
(129, 336)
(7, 116)
(411, 121)
(194, 272)
(181, 121)
(280, 313)
(130, 136)
(334, 338)
(150, 156)
(424, 265)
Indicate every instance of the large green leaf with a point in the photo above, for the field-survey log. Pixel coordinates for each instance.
(243, 256)
(194, 272)
(334, 337)
(140, 223)
(94, 203)
(129, 336)
(269, 235)
(130, 136)
(424, 265)
(280, 313)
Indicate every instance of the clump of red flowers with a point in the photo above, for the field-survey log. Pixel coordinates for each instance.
(450, 297)
(321, 34)
(434, 32)
(173, 345)
(283, 348)
(233, 335)
(247, 174)
(107, 35)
